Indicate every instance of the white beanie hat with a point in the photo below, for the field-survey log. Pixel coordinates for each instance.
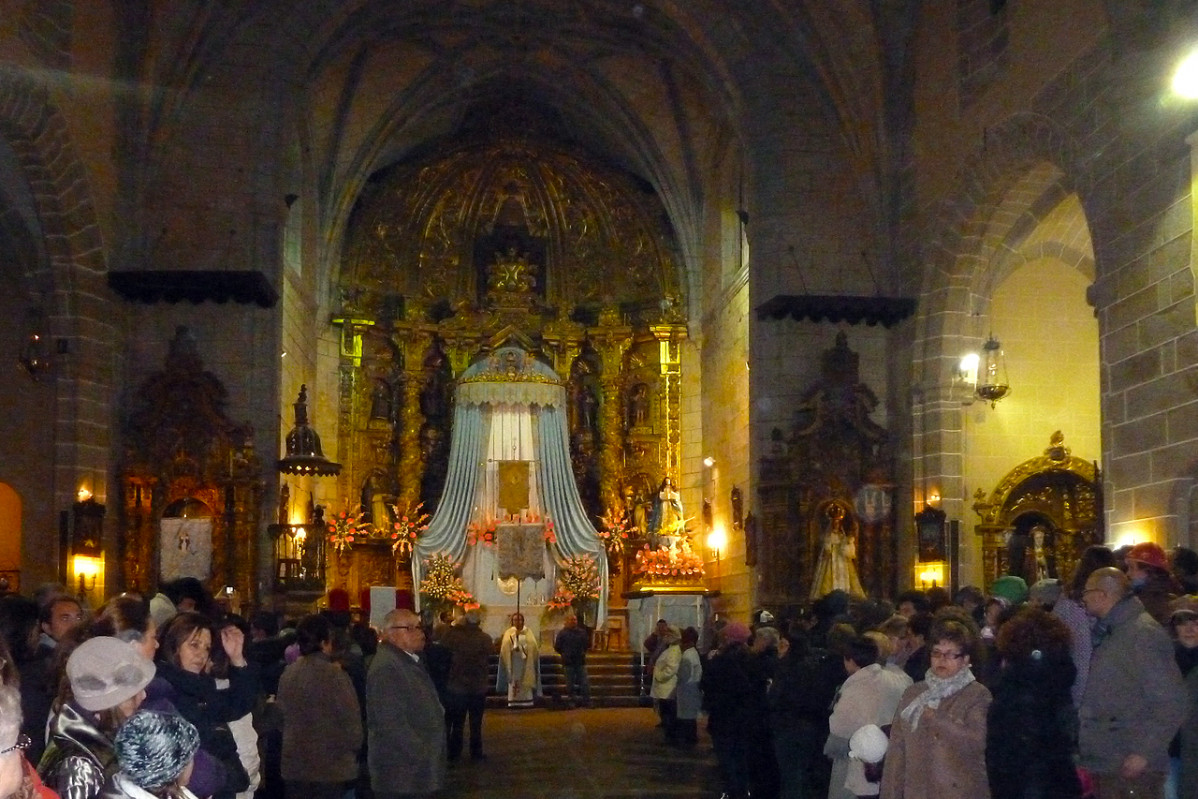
(869, 744)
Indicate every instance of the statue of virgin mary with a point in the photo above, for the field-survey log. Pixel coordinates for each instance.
(837, 564)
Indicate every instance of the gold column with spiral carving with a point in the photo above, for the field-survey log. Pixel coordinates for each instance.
(611, 340)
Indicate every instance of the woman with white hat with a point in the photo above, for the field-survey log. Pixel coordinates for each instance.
(107, 680)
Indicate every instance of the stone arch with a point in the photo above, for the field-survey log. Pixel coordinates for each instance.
(74, 267)
(1029, 162)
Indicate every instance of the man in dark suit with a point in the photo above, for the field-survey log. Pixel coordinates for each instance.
(404, 718)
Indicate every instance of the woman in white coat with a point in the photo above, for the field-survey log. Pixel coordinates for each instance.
(870, 695)
(665, 681)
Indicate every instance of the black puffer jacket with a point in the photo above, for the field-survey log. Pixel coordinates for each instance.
(210, 709)
(1031, 731)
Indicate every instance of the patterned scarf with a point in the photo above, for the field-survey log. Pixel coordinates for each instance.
(938, 688)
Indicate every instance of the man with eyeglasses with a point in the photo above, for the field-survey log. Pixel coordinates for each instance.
(1134, 699)
(405, 720)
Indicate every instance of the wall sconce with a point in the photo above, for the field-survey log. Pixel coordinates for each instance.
(709, 461)
(716, 541)
(86, 570)
(87, 550)
(930, 575)
(34, 356)
(993, 383)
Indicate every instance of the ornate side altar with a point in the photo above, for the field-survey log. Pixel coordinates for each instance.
(192, 482)
(826, 494)
(1041, 516)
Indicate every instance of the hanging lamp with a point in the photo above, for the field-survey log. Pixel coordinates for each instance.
(304, 456)
(993, 384)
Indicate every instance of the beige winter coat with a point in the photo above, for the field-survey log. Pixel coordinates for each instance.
(946, 757)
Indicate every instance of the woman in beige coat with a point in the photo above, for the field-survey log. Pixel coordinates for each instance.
(938, 738)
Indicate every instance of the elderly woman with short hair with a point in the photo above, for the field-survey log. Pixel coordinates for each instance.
(18, 780)
(938, 737)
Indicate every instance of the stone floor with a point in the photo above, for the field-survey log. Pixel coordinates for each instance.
(582, 754)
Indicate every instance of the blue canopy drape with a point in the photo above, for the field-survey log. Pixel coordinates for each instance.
(510, 377)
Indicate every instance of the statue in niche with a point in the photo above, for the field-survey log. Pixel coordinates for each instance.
(374, 501)
(638, 406)
(1029, 551)
(380, 402)
(836, 568)
(435, 450)
(436, 398)
(584, 461)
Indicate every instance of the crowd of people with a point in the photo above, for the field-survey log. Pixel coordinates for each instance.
(1061, 689)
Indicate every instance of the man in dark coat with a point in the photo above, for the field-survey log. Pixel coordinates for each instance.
(572, 643)
(404, 718)
(1134, 700)
(467, 682)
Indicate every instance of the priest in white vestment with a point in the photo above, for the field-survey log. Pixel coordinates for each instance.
(519, 665)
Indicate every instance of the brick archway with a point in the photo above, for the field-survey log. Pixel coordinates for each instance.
(1027, 166)
(73, 273)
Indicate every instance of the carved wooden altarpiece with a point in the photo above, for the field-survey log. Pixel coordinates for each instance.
(834, 455)
(1056, 492)
(183, 456)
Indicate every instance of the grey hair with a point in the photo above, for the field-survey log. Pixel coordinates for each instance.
(10, 715)
(396, 615)
(769, 635)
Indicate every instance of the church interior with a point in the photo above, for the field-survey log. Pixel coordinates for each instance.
(300, 297)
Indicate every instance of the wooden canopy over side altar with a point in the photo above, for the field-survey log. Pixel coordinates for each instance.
(1041, 516)
(191, 482)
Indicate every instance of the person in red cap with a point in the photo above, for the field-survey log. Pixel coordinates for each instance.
(1151, 579)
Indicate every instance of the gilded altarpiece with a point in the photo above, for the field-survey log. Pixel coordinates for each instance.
(1041, 516)
(834, 463)
(498, 239)
(183, 457)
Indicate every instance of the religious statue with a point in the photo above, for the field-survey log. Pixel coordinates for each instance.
(519, 676)
(837, 564)
(638, 406)
(666, 523)
(380, 401)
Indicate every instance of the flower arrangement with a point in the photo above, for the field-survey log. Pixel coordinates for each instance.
(577, 582)
(409, 527)
(614, 531)
(344, 527)
(668, 564)
(480, 533)
(442, 586)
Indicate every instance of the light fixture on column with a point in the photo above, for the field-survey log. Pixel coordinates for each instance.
(34, 356)
(993, 384)
(304, 455)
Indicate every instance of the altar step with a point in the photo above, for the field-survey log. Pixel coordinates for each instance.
(615, 679)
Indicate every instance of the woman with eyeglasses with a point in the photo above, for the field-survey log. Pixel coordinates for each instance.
(938, 736)
(18, 780)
